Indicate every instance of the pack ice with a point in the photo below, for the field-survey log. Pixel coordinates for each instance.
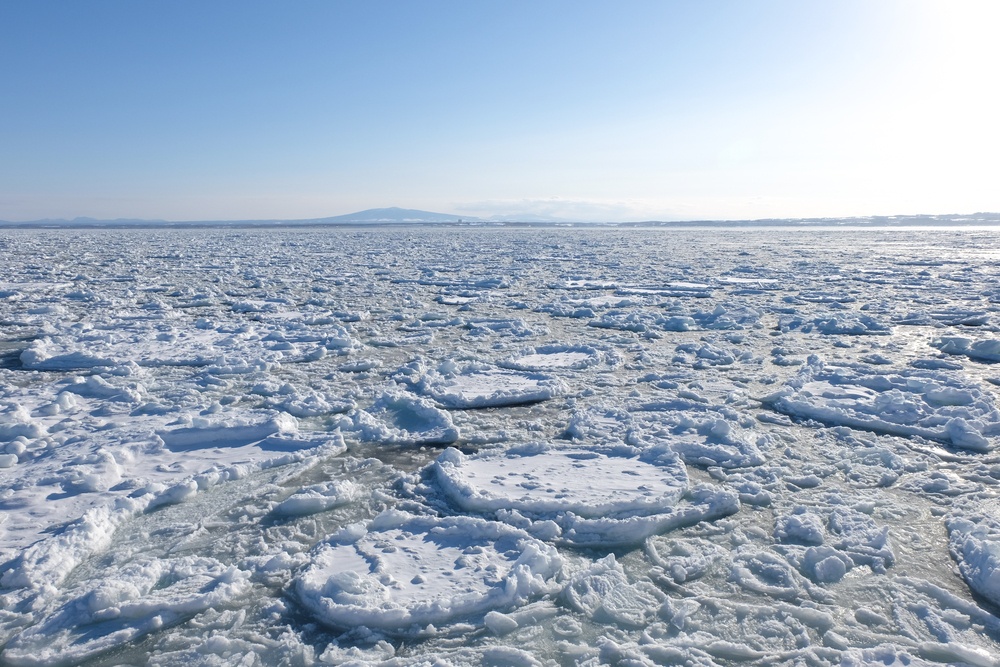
(499, 446)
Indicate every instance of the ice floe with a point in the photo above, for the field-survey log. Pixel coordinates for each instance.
(145, 597)
(398, 417)
(935, 405)
(549, 357)
(983, 350)
(478, 387)
(416, 576)
(578, 496)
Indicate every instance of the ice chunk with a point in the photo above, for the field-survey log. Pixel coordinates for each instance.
(703, 435)
(975, 545)
(985, 350)
(318, 498)
(683, 560)
(410, 575)
(310, 404)
(605, 594)
(96, 386)
(50, 560)
(488, 388)
(125, 605)
(204, 433)
(45, 354)
(547, 357)
(704, 355)
(17, 422)
(769, 574)
(398, 417)
(938, 405)
(802, 527)
(720, 444)
(825, 543)
(602, 425)
(837, 324)
(515, 327)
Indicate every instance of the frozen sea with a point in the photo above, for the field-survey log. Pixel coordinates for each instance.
(499, 446)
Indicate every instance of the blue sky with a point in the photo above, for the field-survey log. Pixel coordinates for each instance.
(628, 110)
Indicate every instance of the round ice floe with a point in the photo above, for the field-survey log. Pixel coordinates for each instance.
(549, 357)
(141, 598)
(578, 496)
(491, 388)
(581, 481)
(409, 575)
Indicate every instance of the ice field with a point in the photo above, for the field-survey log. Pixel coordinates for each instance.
(500, 446)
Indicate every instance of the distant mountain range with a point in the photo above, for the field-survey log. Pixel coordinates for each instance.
(406, 216)
(393, 215)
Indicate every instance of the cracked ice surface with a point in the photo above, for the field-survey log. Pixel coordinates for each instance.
(499, 446)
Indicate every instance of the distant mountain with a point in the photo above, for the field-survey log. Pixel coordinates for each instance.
(393, 215)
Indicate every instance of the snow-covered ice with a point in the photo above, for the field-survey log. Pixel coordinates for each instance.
(499, 446)
(414, 576)
(489, 387)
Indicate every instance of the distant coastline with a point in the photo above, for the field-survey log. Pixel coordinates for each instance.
(394, 217)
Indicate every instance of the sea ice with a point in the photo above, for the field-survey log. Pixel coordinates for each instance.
(398, 417)
(936, 405)
(477, 387)
(759, 451)
(144, 597)
(416, 576)
(549, 357)
(975, 545)
(576, 495)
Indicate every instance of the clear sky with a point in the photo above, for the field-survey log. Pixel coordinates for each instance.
(625, 110)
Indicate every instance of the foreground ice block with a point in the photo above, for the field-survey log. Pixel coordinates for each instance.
(415, 576)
